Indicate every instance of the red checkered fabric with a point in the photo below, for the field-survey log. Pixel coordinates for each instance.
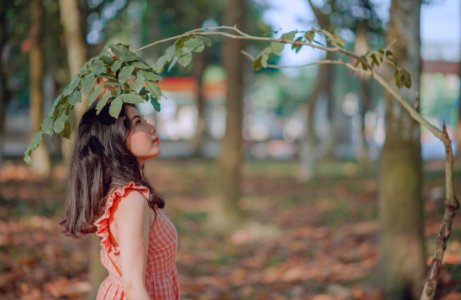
(161, 274)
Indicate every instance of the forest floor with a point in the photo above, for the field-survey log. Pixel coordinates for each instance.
(300, 241)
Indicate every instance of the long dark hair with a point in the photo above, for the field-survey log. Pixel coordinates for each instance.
(100, 162)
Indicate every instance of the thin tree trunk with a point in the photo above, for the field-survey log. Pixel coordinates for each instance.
(365, 95)
(458, 129)
(326, 86)
(328, 91)
(308, 153)
(402, 255)
(200, 65)
(76, 47)
(226, 212)
(40, 158)
(361, 47)
(3, 82)
(76, 55)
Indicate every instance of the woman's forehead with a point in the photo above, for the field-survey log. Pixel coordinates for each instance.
(131, 111)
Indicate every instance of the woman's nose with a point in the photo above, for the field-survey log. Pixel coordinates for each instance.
(153, 129)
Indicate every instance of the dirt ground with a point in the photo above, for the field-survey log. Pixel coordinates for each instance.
(299, 241)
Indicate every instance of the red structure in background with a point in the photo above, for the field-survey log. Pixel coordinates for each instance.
(438, 66)
(211, 91)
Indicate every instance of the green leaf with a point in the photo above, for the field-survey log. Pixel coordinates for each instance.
(71, 86)
(154, 90)
(94, 94)
(402, 78)
(102, 102)
(117, 65)
(277, 47)
(333, 38)
(27, 158)
(98, 67)
(185, 60)
(125, 74)
(156, 104)
(264, 59)
(138, 84)
(173, 63)
(257, 65)
(144, 93)
(376, 58)
(56, 107)
(60, 122)
(83, 71)
(123, 52)
(160, 64)
(289, 35)
(194, 44)
(149, 75)
(297, 47)
(34, 143)
(115, 107)
(206, 41)
(75, 97)
(47, 126)
(87, 85)
(131, 98)
(169, 53)
(264, 56)
(141, 65)
(107, 59)
(67, 130)
(310, 35)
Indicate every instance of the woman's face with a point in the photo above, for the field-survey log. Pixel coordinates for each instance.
(142, 140)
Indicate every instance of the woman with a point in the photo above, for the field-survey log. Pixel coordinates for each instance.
(109, 195)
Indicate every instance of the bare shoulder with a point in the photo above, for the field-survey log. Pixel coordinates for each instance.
(134, 205)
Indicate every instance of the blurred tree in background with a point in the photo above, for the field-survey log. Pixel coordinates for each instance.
(360, 19)
(226, 213)
(4, 92)
(40, 159)
(402, 250)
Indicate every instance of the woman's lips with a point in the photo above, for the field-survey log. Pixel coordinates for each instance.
(156, 140)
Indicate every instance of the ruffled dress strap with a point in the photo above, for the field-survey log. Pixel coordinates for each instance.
(103, 223)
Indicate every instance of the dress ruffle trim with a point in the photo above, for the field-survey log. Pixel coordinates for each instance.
(102, 223)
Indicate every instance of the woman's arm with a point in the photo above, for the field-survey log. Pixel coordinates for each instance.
(132, 223)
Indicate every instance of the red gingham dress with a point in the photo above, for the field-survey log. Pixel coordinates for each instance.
(161, 274)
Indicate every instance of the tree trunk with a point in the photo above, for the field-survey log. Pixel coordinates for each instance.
(361, 47)
(76, 55)
(402, 255)
(226, 213)
(458, 129)
(3, 82)
(200, 65)
(76, 47)
(328, 92)
(40, 158)
(326, 88)
(308, 153)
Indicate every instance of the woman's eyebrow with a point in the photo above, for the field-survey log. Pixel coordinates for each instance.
(134, 117)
